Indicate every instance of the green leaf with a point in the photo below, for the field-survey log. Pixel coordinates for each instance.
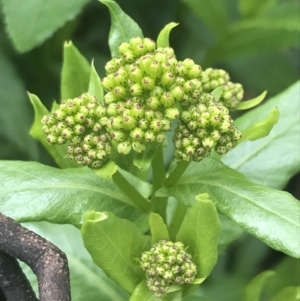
(114, 245)
(163, 37)
(229, 232)
(256, 285)
(95, 85)
(199, 232)
(254, 7)
(159, 230)
(122, 29)
(15, 117)
(75, 73)
(107, 170)
(56, 151)
(262, 128)
(142, 292)
(29, 25)
(88, 281)
(212, 13)
(290, 293)
(248, 104)
(34, 192)
(143, 160)
(217, 93)
(266, 213)
(272, 160)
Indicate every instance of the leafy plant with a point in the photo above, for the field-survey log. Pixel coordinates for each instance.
(157, 228)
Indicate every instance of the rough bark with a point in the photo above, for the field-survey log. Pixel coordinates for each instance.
(13, 282)
(47, 261)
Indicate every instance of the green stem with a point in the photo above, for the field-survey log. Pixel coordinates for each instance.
(131, 192)
(177, 220)
(159, 204)
(176, 173)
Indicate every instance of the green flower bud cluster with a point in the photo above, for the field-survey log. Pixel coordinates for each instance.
(165, 264)
(204, 126)
(143, 86)
(232, 92)
(80, 122)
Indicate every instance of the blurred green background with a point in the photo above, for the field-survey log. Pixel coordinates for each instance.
(256, 41)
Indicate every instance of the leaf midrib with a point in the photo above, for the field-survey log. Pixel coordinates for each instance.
(214, 184)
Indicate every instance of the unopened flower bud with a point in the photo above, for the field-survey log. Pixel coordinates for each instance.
(172, 113)
(167, 100)
(148, 83)
(124, 148)
(136, 90)
(167, 79)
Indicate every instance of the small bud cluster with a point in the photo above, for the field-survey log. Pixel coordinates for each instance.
(143, 87)
(204, 126)
(80, 122)
(165, 264)
(232, 92)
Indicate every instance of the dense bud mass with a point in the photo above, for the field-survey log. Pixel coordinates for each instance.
(147, 88)
(204, 126)
(165, 264)
(77, 122)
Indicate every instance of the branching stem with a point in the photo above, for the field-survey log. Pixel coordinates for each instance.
(141, 202)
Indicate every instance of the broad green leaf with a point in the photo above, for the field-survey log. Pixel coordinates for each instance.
(30, 24)
(88, 282)
(34, 192)
(163, 37)
(199, 233)
(159, 230)
(268, 214)
(255, 287)
(56, 151)
(229, 232)
(142, 292)
(254, 7)
(15, 117)
(115, 244)
(248, 104)
(212, 13)
(75, 73)
(95, 86)
(217, 93)
(122, 29)
(143, 160)
(262, 128)
(291, 293)
(272, 160)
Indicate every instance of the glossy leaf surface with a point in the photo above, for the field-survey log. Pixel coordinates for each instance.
(272, 160)
(75, 73)
(115, 244)
(199, 233)
(34, 192)
(270, 215)
(122, 29)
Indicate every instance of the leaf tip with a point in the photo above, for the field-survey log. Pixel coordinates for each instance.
(94, 216)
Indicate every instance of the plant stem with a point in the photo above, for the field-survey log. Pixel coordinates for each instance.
(177, 219)
(141, 202)
(177, 173)
(159, 204)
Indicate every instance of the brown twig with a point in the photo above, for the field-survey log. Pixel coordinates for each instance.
(47, 261)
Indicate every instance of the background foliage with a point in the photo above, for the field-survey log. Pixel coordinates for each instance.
(257, 42)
